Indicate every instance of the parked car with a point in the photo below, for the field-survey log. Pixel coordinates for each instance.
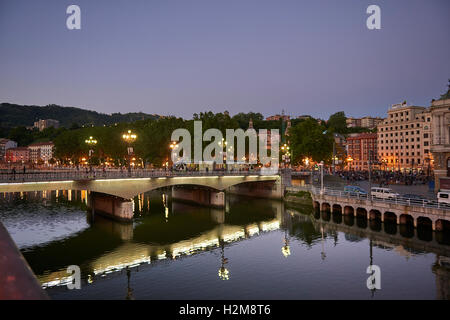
(384, 193)
(444, 197)
(354, 190)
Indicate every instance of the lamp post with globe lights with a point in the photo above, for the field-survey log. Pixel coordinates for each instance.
(91, 142)
(129, 138)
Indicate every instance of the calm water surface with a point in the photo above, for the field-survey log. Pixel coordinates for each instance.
(254, 249)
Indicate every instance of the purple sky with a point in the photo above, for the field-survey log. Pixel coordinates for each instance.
(186, 56)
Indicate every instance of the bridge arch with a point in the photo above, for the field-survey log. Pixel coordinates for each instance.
(442, 225)
(361, 212)
(349, 210)
(390, 217)
(337, 208)
(316, 205)
(325, 206)
(375, 214)
(424, 228)
(406, 219)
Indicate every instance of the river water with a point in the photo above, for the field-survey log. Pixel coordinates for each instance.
(253, 249)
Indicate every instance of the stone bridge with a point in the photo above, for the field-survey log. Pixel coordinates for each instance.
(111, 194)
(398, 212)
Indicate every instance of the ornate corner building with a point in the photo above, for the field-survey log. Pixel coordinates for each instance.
(440, 148)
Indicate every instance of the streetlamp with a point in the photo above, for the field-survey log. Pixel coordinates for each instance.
(349, 161)
(286, 156)
(129, 138)
(91, 142)
(173, 145)
(321, 177)
(335, 162)
(384, 161)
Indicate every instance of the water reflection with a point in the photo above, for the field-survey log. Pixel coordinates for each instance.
(166, 233)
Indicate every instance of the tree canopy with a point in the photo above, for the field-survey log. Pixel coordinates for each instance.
(310, 140)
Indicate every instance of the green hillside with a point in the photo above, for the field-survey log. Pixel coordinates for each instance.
(13, 115)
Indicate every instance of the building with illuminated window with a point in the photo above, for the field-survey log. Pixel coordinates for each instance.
(20, 154)
(404, 138)
(440, 111)
(47, 123)
(361, 148)
(6, 144)
(41, 151)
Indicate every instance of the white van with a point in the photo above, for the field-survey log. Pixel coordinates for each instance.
(444, 197)
(384, 193)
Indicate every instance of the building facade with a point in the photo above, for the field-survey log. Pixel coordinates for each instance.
(360, 149)
(41, 151)
(16, 155)
(279, 117)
(47, 123)
(440, 147)
(404, 138)
(6, 144)
(366, 122)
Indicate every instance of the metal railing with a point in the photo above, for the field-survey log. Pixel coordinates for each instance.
(425, 203)
(70, 174)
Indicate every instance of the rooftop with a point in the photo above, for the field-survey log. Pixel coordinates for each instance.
(38, 144)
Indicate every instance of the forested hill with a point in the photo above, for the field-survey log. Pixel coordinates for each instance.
(13, 115)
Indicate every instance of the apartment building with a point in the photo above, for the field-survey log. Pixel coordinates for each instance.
(279, 117)
(6, 144)
(361, 148)
(404, 138)
(440, 112)
(20, 154)
(366, 122)
(47, 123)
(41, 151)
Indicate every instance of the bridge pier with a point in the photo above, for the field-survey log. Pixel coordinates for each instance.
(122, 230)
(200, 196)
(112, 207)
(218, 215)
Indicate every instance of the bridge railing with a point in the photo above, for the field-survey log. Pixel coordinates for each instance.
(425, 203)
(62, 175)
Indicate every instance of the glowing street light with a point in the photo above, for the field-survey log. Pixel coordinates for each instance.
(349, 161)
(91, 142)
(129, 138)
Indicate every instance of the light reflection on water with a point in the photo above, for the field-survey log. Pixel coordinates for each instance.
(262, 250)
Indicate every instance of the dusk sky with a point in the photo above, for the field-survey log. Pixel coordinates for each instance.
(181, 57)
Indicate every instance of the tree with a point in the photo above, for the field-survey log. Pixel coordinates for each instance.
(21, 135)
(337, 122)
(309, 139)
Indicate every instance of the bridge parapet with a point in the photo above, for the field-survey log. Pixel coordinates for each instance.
(129, 187)
(437, 213)
(80, 175)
